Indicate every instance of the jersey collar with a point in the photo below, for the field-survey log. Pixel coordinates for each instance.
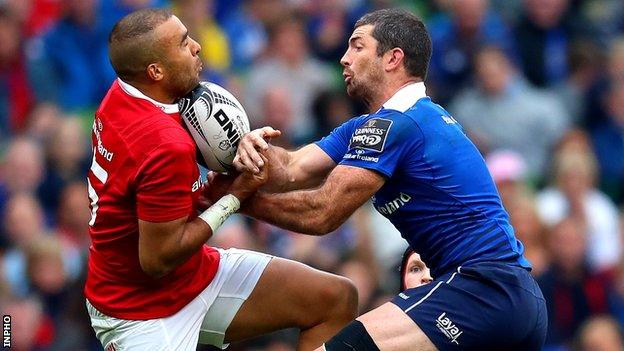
(406, 97)
(134, 92)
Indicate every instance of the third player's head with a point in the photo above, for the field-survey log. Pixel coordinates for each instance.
(151, 47)
(386, 45)
(414, 272)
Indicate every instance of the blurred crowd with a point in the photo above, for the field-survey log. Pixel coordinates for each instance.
(537, 84)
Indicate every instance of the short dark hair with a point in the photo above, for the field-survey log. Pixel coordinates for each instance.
(396, 28)
(131, 44)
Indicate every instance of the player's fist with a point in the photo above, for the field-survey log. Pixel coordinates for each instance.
(246, 183)
(215, 187)
(248, 158)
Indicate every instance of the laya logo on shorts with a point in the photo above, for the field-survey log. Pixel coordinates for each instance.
(448, 328)
(372, 135)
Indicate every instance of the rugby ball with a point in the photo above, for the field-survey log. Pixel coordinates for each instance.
(216, 121)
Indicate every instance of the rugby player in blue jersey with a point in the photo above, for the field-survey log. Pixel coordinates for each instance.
(413, 159)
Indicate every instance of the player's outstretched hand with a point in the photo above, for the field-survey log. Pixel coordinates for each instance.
(246, 183)
(248, 157)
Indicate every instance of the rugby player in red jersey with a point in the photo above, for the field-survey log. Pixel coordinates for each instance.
(153, 283)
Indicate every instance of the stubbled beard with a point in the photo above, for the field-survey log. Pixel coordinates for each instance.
(359, 90)
(183, 84)
(365, 91)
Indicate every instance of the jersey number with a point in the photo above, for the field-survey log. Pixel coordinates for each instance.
(102, 175)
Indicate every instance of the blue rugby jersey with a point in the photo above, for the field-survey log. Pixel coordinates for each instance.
(438, 192)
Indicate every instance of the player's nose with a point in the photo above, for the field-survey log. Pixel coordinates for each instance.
(195, 47)
(426, 278)
(345, 59)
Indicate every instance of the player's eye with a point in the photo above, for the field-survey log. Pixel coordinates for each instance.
(415, 269)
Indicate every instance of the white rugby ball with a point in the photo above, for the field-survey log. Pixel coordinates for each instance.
(216, 121)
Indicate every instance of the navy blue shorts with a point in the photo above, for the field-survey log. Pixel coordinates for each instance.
(485, 306)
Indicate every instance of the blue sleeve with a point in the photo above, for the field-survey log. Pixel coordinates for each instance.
(382, 142)
(336, 143)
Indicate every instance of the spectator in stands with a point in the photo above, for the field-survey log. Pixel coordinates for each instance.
(572, 292)
(331, 108)
(246, 32)
(198, 16)
(16, 98)
(615, 67)
(69, 64)
(277, 112)
(509, 172)
(456, 38)
(46, 272)
(72, 220)
(22, 167)
(68, 159)
(543, 35)
(608, 141)
(35, 16)
(611, 73)
(530, 230)
(601, 333)
(111, 11)
(573, 194)
(21, 170)
(501, 102)
(43, 121)
(23, 220)
(330, 27)
(585, 59)
(290, 66)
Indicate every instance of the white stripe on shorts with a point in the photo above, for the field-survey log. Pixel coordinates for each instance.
(431, 291)
(424, 297)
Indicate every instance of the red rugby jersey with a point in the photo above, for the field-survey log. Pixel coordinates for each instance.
(143, 168)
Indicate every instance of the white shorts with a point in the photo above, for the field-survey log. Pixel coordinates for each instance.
(204, 320)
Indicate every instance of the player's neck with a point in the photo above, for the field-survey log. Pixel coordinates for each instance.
(387, 91)
(154, 92)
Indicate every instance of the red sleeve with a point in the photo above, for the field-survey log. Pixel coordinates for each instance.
(164, 182)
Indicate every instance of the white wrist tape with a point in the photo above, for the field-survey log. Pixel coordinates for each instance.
(216, 214)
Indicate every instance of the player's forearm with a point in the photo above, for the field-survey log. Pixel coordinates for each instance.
(196, 233)
(176, 249)
(188, 238)
(307, 211)
(287, 172)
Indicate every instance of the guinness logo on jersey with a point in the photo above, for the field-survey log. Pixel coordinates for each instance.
(371, 135)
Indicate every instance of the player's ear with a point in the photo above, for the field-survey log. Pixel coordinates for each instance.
(393, 59)
(155, 72)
